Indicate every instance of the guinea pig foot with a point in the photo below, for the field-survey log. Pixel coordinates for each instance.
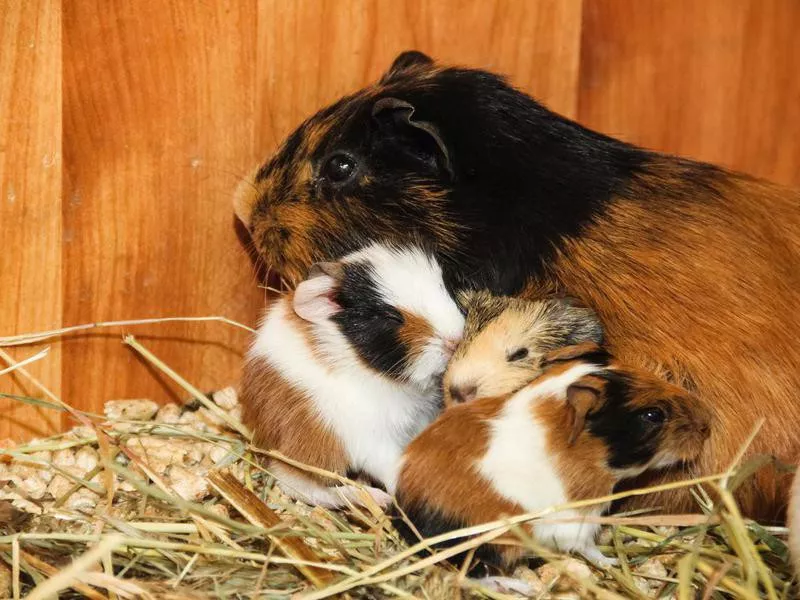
(505, 585)
(354, 494)
(597, 558)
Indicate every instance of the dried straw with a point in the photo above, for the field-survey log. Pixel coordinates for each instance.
(245, 539)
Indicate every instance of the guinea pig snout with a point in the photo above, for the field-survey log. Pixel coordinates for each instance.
(449, 346)
(463, 393)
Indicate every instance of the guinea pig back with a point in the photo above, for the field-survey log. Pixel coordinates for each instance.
(569, 435)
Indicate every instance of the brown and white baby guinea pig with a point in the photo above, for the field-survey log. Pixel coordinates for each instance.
(506, 338)
(346, 370)
(571, 434)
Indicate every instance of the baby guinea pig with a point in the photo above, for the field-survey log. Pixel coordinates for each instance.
(505, 339)
(346, 370)
(569, 435)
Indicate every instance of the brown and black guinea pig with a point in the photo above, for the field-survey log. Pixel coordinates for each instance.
(571, 434)
(693, 267)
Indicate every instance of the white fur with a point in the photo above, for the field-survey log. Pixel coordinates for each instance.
(411, 280)
(520, 468)
(373, 416)
(311, 492)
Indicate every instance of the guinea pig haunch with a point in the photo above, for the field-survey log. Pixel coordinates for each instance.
(346, 370)
(569, 435)
(691, 266)
(505, 339)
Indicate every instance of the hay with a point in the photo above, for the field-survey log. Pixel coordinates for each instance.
(172, 502)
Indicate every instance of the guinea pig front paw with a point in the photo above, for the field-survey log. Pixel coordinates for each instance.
(355, 495)
(506, 585)
(597, 558)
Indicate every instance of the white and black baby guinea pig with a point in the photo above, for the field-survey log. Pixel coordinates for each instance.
(346, 370)
(505, 339)
(571, 434)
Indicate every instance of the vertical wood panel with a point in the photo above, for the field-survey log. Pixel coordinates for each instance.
(712, 79)
(30, 198)
(158, 122)
(166, 104)
(314, 51)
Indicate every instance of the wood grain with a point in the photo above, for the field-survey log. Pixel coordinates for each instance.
(166, 105)
(30, 198)
(158, 126)
(712, 79)
(332, 48)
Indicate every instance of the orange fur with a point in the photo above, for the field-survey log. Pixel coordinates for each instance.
(709, 294)
(440, 469)
(282, 418)
(415, 331)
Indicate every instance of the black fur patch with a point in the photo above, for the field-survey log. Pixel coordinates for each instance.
(368, 322)
(630, 439)
(523, 181)
(430, 523)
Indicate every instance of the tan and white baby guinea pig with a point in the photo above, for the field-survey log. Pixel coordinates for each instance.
(571, 434)
(505, 339)
(346, 370)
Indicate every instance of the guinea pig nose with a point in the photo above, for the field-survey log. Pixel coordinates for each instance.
(463, 393)
(450, 345)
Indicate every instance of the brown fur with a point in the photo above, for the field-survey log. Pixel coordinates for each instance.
(274, 203)
(432, 477)
(415, 331)
(282, 418)
(692, 270)
(709, 296)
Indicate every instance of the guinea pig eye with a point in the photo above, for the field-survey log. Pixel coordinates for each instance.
(338, 168)
(653, 416)
(519, 354)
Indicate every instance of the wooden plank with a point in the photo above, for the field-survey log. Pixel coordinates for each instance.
(158, 128)
(716, 80)
(312, 52)
(30, 199)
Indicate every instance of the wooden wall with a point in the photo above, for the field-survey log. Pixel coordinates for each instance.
(126, 124)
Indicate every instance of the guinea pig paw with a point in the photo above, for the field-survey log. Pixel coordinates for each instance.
(505, 585)
(354, 494)
(597, 558)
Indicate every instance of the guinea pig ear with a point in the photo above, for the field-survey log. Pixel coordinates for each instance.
(589, 351)
(332, 269)
(583, 323)
(313, 298)
(464, 300)
(399, 114)
(583, 397)
(404, 61)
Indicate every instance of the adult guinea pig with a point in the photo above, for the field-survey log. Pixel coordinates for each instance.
(346, 370)
(569, 435)
(505, 340)
(692, 266)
